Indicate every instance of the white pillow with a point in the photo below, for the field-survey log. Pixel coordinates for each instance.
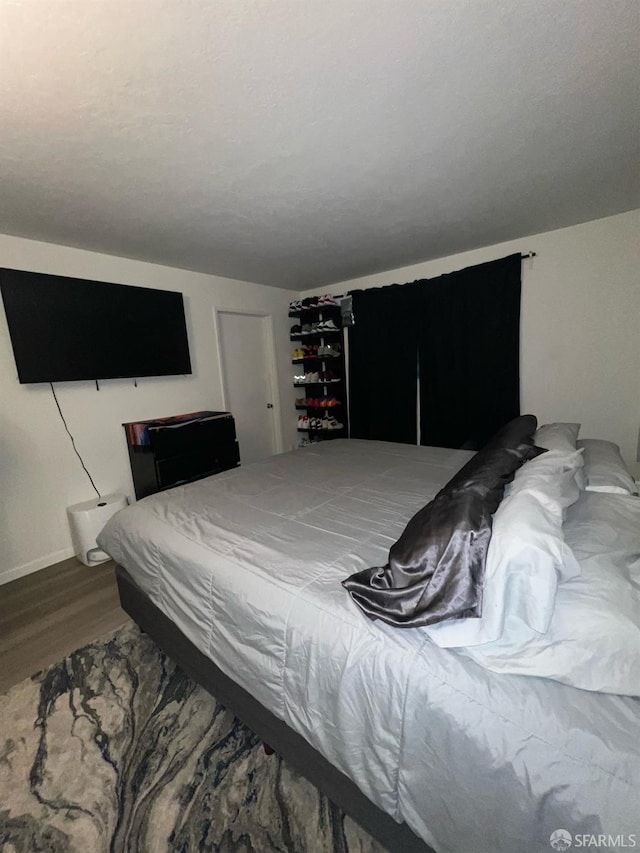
(561, 437)
(593, 640)
(605, 468)
(527, 555)
(557, 437)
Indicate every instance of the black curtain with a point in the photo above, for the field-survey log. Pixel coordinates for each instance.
(469, 350)
(464, 331)
(383, 364)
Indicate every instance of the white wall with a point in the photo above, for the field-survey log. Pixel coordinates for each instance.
(580, 327)
(39, 473)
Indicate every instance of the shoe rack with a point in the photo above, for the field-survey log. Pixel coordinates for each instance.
(319, 369)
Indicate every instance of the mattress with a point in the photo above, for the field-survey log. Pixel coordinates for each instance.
(248, 564)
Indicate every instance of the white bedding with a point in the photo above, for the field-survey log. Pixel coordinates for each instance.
(248, 564)
(593, 638)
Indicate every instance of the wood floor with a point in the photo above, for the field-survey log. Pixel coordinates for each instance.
(48, 614)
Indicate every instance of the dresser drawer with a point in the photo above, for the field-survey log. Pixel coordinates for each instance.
(198, 463)
(176, 440)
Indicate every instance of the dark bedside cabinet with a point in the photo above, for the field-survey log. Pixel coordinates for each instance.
(168, 452)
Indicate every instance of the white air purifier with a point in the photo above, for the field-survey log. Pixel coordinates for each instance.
(86, 520)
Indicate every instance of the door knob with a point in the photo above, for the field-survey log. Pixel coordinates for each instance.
(269, 405)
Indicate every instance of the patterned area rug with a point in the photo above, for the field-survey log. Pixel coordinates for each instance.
(116, 749)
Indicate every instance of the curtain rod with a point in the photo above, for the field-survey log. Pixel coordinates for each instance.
(528, 255)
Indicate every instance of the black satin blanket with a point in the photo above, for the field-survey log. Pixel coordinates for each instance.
(436, 568)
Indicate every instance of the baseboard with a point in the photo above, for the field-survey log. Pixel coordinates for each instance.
(35, 565)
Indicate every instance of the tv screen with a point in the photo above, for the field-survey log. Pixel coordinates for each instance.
(67, 328)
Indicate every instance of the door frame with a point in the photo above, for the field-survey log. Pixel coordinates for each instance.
(271, 365)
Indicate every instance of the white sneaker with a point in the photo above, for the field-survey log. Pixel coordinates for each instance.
(329, 326)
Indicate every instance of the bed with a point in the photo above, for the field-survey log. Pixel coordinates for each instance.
(238, 578)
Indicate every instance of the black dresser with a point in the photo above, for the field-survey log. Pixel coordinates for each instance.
(171, 451)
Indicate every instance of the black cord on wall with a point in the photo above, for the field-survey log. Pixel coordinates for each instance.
(72, 441)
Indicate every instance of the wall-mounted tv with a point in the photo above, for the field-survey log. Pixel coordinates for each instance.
(68, 328)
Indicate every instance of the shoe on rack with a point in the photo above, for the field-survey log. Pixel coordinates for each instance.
(312, 377)
(295, 330)
(332, 423)
(329, 326)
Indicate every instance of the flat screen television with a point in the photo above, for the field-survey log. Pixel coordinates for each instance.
(67, 328)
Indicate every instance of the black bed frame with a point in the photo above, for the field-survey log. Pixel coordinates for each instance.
(396, 837)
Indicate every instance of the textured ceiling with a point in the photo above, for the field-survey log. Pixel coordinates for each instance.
(302, 142)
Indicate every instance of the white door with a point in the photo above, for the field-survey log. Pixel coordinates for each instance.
(245, 352)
